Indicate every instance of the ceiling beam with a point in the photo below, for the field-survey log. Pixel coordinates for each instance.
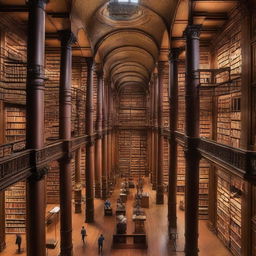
(212, 16)
(24, 8)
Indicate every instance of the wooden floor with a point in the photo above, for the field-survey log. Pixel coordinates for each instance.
(156, 229)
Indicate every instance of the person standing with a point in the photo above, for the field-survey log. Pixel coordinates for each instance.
(18, 242)
(83, 233)
(100, 242)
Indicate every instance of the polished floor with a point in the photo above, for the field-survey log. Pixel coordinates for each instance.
(156, 230)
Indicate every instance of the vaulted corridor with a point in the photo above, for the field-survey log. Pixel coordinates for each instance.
(148, 100)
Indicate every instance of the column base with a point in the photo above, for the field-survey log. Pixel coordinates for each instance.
(211, 227)
(189, 252)
(67, 252)
(2, 246)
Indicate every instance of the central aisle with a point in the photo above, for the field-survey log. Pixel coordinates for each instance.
(156, 230)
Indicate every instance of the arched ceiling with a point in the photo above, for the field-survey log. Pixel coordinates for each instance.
(127, 48)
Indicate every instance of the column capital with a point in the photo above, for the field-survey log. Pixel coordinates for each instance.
(67, 38)
(174, 54)
(99, 70)
(89, 62)
(37, 3)
(193, 31)
(38, 173)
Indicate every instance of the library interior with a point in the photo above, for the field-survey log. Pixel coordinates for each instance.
(128, 127)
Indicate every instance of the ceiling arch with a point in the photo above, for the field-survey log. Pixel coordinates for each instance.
(128, 47)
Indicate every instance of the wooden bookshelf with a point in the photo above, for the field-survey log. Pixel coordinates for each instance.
(15, 128)
(181, 172)
(52, 184)
(52, 72)
(15, 208)
(166, 161)
(203, 189)
(132, 153)
(181, 99)
(229, 211)
(132, 107)
(223, 119)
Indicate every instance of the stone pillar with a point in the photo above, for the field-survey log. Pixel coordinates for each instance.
(98, 144)
(90, 144)
(173, 120)
(105, 148)
(66, 247)
(192, 156)
(36, 200)
(155, 128)
(160, 169)
(78, 184)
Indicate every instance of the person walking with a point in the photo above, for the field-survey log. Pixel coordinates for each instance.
(83, 233)
(18, 242)
(100, 243)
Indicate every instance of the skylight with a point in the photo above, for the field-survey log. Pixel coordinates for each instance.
(123, 9)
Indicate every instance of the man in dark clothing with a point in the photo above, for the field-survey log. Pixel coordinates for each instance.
(100, 243)
(83, 233)
(18, 242)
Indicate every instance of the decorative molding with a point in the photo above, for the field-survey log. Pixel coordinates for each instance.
(37, 3)
(193, 31)
(38, 174)
(67, 38)
(35, 71)
(89, 62)
(174, 54)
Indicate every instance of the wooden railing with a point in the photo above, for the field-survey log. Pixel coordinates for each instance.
(13, 147)
(19, 166)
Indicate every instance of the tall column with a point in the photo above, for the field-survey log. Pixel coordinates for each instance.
(160, 169)
(67, 39)
(149, 145)
(89, 145)
(105, 148)
(248, 97)
(110, 136)
(98, 144)
(2, 193)
(173, 119)
(78, 184)
(155, 127)
(2, 217)
(192, 155)
(152, 133)
(35, 126)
